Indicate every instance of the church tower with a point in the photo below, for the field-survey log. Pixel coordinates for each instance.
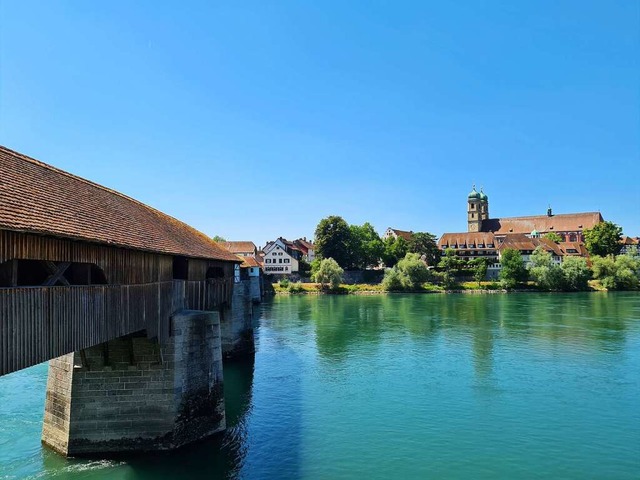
(484, 206)
(474, 211)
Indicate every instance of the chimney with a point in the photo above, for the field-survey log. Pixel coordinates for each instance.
(549, 214)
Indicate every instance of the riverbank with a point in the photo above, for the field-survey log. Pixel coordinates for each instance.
(377, 289)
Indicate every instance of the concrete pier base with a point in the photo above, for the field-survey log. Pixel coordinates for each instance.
(237, 323)
(132, 394)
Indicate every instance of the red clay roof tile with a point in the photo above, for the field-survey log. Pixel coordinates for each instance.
(38, 198)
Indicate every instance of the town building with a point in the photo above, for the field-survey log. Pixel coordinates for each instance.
(568, 226)
(279, 258)
(489, 237)
(241, 248)
(630, 244)
(395, 233)
(307, 248)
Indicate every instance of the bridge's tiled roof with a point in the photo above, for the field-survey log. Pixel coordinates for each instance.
(38, 198)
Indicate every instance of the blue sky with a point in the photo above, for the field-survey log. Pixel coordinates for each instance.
(256, 119)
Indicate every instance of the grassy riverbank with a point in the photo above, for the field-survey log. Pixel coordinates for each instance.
(377, 289)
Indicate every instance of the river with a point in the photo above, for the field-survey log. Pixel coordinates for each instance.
(399, 386)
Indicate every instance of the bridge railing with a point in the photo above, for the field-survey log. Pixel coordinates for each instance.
(40, 323)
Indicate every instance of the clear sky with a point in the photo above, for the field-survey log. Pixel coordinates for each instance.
(255, 119)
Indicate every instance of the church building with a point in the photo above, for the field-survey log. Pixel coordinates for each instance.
(486, 237)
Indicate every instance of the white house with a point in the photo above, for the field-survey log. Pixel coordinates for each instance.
(277, 260)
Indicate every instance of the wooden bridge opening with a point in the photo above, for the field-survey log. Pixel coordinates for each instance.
(45, 273)
(180, 268)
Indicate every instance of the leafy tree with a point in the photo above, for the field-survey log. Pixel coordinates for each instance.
(513, 268)
(304, 268)
(392, 281)
(408, 274)
(425, 243)
(450, 263)
(329, 272)
(219, 239)
(603, 239)
(333, 238)
(413, 270)
(395, 249)
(576, 273)
(365, 246)
(544, 272)
(480, 267)
(617, 273)
(553, 236)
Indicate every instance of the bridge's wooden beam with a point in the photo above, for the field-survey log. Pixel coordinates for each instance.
(56, 273)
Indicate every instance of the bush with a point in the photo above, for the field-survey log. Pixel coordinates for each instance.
(617, 273)
(576, 273)
(329, 272)
(296, 287)
(409, 274)
(392, 281)
(284, 283)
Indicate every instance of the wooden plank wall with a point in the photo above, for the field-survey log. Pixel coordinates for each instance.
(40, 323)
(121, 266)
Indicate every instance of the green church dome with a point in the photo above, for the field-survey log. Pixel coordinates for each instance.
(483, 196)
(474, 194)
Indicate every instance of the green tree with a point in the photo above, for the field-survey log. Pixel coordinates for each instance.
(617, 273)
(576, 273)
(413, 270)
(553, 236)
(365, 246)
(219, 239)
(450, 265)
(603, 239)
(425, 243)
(329, 272)
(513, 268)
(544, 272)
(480, 267)
(392, 281)
(395, 249)
(408, 274)
(333, 238)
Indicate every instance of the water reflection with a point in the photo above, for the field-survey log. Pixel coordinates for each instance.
(584, 322)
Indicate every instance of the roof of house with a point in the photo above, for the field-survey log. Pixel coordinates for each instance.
(306, 245)
(520, 241)
(626, 240)
(38, 198)
(567, 222)
(402, 233)
(248, 262)
(240, 247)
(573, 248)
(467, 238)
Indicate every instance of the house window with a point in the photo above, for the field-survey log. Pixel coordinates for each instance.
(280, 260)
(286, 260)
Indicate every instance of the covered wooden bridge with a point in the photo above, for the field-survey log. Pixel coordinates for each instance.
(81, 264)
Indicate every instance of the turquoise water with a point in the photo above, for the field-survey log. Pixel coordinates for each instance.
(400, 386)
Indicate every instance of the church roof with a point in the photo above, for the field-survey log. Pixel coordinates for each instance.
(568, 222)
(38, 198)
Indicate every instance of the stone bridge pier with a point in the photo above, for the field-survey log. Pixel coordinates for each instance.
(135, 394)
